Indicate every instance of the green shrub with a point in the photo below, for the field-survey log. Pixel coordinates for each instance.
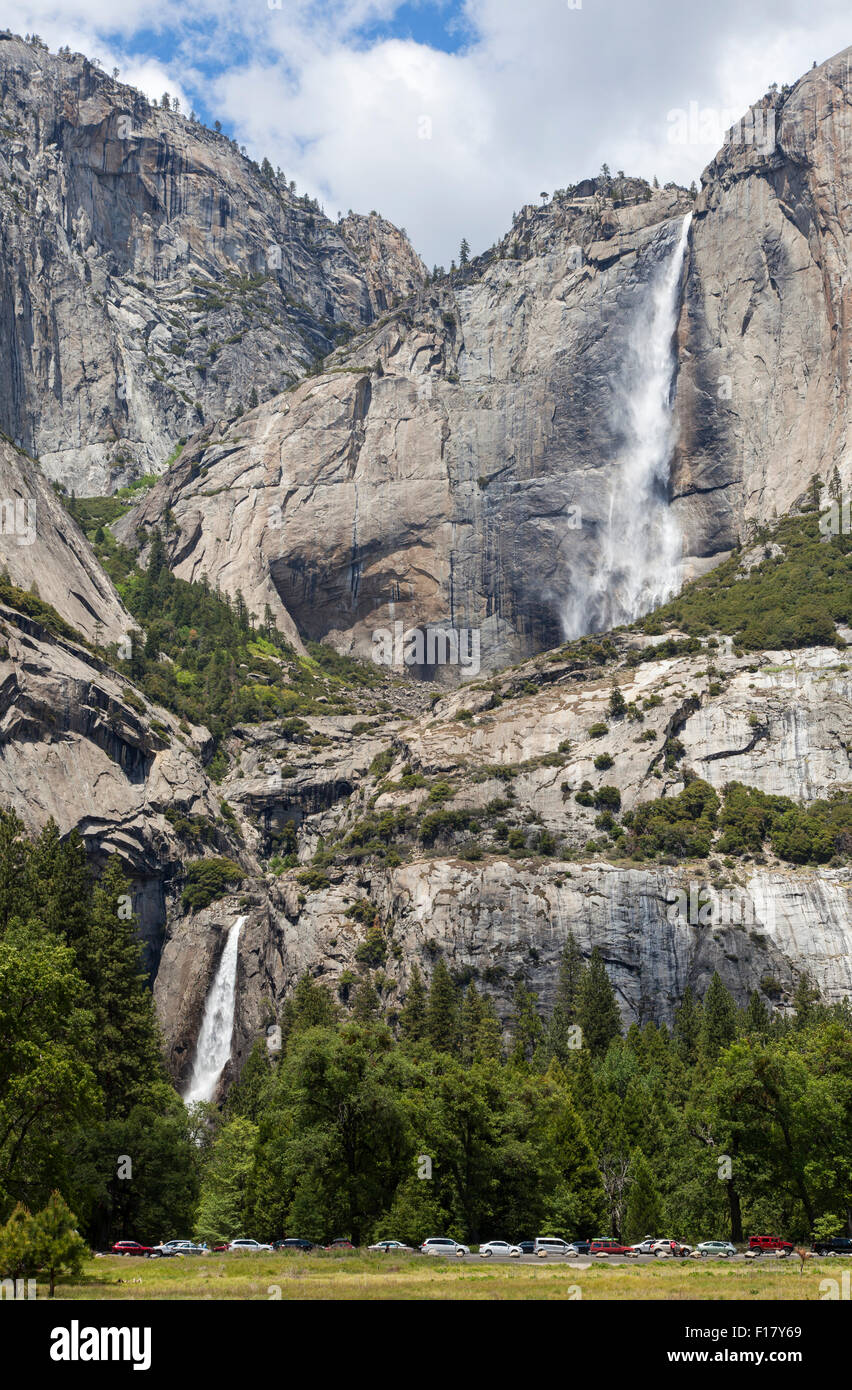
(209, 879)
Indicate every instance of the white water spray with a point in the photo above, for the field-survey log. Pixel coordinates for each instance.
(639, 565)
(214, 1040)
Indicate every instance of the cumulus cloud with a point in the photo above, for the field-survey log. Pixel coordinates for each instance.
(449, 144)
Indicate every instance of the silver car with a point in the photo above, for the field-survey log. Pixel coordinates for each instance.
(443, 1245)
(501, 1248)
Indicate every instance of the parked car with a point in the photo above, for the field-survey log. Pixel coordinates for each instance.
(723, 1248)
(643, 1247)
(671, 1247)
(833, 1245)
(581, 1245)
(501, 1248)
(763, 1244)
(390, 1246)
(603, 1245)
(221, 1246)
(131, 1247)
(526, 1247)
(553, 1245)
(294, 1243)
(172, 1248)
(253, 1247)
(339, 1245)
(443, 1245)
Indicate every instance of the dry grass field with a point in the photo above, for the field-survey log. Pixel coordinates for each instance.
(357, 1276)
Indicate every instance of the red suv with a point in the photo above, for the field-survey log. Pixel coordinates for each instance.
(608, 1247)
(761, 1243)
(130, 1247)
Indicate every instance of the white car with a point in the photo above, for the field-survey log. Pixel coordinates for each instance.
(443, 1245)
(644, 1247)
(553, 1245)
(675, 1248)
(254, 1247)
(723, 1248)
(388, 1246)
(499, 1247)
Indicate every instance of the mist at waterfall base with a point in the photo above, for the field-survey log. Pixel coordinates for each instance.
(217, 1025)
(640, 550)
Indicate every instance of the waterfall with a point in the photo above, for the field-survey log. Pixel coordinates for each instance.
(214, 1040)
(639, 563)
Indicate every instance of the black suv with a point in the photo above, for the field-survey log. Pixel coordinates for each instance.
(293, 1243)
(833, 1245)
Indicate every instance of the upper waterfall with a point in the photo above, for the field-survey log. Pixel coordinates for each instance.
(641, 547)
(214, 1040)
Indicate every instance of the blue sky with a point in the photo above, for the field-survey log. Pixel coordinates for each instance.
(449, 116)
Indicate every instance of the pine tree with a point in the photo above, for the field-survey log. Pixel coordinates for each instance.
(617, 703)
(719, 1021)
(644, 1210)
(442, 1010)
(247, 1093)
(366, 1004)
(559, 1039)
(309, 1006)
(57, 1246)
(525, 1024)
(489, 1034)
(412, 1018)
(128, 1060)
(597, 1010)
(469, 1023)
(806, 996)
(464, 252)
(756, 1018)
(687, 1027)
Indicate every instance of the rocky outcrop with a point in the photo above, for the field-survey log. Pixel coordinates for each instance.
(80, 745)
(451, 468)
(777, 721)
(455, 465)
(151, 276)
(763, 400)
(41, 547)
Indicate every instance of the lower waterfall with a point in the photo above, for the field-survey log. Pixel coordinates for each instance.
(639, 565)
(214, 1040)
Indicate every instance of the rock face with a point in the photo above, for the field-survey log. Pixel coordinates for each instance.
(763, 400)
(40, 544)
(80, 745)
(151, 276)
(454, 465)
(778, 721)
(457, 465)
(416, 479)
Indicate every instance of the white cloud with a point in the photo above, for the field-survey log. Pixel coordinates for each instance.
(540, 95)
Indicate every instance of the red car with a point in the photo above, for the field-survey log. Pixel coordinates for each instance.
(340, 1245)
(608, 1247)
(130, 1247)
(762, 1243)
